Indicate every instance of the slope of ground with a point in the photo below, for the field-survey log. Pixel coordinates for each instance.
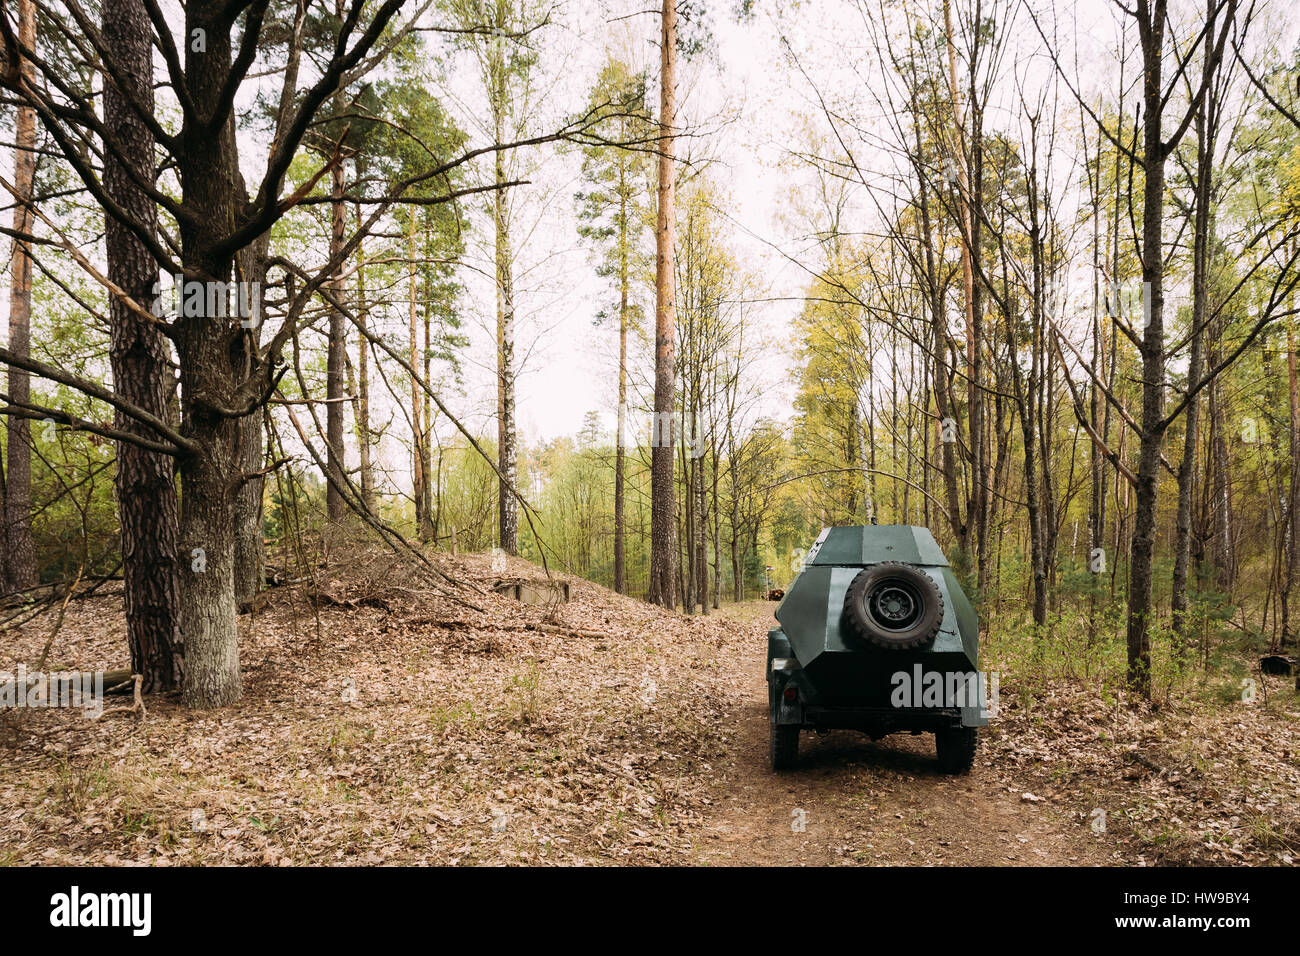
(383, 723)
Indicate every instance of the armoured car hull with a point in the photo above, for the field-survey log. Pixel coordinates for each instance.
(876, 635)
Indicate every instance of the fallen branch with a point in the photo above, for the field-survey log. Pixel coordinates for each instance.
(351, 495)
(137, 705)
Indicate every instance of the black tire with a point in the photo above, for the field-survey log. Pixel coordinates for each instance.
(785, 746)
(956, 749)
(893, 606)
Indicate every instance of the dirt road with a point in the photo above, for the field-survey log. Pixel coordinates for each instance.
(852, 800)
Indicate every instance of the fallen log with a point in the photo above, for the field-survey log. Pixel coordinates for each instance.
(118, 681)
(63, 683)
(1277, 664)
(39, 593)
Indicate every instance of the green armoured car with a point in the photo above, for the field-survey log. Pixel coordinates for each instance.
(876, 635)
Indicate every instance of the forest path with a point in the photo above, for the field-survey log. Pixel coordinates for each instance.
(865, 802)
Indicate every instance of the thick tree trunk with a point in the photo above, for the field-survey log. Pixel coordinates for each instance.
(4, 532)
(146, 486)
(1153, 362)
(20, 552)
(663, 502)
(207, 538)
(205, 344)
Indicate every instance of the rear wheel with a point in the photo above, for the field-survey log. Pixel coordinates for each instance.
(785, 746)
(956, 749)
(894, 606)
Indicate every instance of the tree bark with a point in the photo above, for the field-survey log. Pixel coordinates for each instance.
(663, 503)
(209, 167)
(1152, 22)
(250, 552)
(716, 511)
(1153, 358)
(146, 486)
(20, 566)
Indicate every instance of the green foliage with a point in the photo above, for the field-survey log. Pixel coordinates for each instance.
(614, 213)
(74, 510)
(466, 495)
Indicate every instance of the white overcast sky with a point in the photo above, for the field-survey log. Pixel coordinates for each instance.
(728, 98)
(746, 102)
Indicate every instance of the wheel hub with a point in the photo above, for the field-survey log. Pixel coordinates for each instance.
(894, 605)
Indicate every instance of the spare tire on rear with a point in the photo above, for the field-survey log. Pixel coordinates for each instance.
(894, 606)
